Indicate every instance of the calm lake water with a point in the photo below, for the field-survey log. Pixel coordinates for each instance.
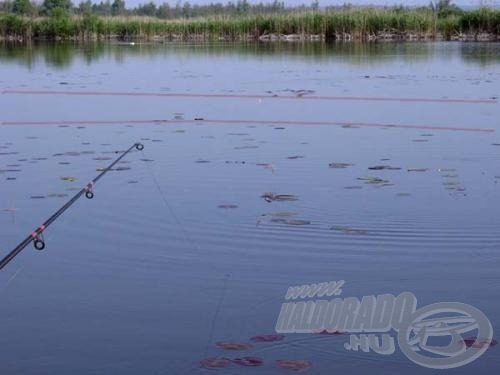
(178, 250)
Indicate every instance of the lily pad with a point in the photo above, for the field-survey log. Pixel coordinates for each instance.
(215, 362)
(340, 165)
(249, 361)
(479, 343)
(417, 169)
(294, 365)
(229, 345)
(351, 231)
(272, 197)
(267, 338)
(228, 206)
(297, 222)
(384, 167)
(331, 332)
(69, 179)
(373, 180)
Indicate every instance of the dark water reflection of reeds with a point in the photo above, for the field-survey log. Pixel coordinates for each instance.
(63, 55)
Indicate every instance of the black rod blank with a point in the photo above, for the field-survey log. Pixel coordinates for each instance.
(36, 237)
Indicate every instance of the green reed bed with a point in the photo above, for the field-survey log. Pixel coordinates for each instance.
(355, 23)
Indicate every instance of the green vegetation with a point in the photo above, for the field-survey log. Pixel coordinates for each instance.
(335, 23)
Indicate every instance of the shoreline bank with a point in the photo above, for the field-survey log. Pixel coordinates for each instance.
(354, 25)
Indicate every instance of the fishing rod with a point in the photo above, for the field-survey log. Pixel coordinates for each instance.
(37, 235)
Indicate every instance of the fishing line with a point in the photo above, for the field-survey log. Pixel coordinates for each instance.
(216, 313)
(298, 96)
(11, 279)
(345, 124)
(193, 244)
(187, 237)
(37, 235)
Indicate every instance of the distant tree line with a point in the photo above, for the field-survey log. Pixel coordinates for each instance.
(442, 8)
(150, 9)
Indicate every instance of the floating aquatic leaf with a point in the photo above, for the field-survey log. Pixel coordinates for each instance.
(245, 147)
(479, 343)
(354, 187)
(37, 197)
(384, 167)
(215, 362)
(267, 338)
(249, 361)
(297, 222)
(351, 231)
(202, 161)
(340, 165)
(295, 157)
(295, 365)
(331, 332)
(278, 220)
(69, 179)
(403, 194)
(228, 206)
(102, 158)
(447, 170)
(271, 197)
(373, 180)
(282, 214)
(417, 169)
(229, 345)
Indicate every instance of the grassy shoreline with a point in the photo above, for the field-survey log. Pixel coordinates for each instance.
(341, 25)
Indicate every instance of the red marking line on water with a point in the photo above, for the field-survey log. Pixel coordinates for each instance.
(249, 122)
(252, 96)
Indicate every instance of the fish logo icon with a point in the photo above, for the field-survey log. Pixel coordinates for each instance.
(431, 336)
